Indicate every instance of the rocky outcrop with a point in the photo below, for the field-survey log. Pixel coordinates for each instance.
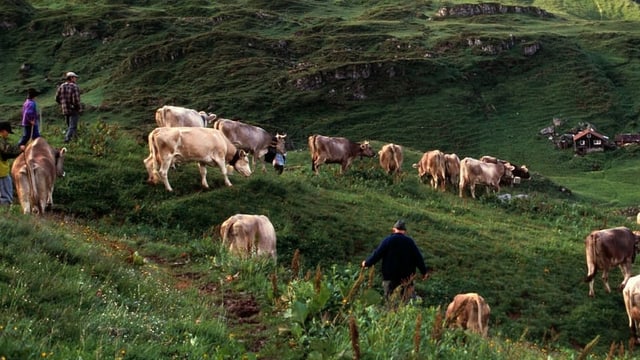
(464, 10)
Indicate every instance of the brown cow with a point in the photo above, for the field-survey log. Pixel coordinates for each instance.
(452, 168)
(248, 234)
(187, 144)
(432, 164)
(631, 295)
(35, 172)
(469, 311)
(336, 150)
(608, 248)
(391, 158)
(252, 139)
(176, 116)
(473, 172)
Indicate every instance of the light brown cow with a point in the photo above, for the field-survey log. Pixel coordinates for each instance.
(519, 171)
(192, 144)
(249, 234)
(606, 249)
(252, 139)
(452, 169)
(473, 172)
(432, 164)
(35, 172)
(176, 116)
(631, 295)
(469, 311)
(391, 158)
(336, 150)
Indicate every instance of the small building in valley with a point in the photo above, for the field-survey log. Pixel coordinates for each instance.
(589, 140)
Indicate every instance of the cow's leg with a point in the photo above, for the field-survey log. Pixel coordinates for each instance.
(345, 166)
(202, 167)
(605, 280)
(626, 273)
(163, 172)
(223, 169)
(472, 188)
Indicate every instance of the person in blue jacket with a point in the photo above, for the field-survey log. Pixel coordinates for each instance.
(400, 257)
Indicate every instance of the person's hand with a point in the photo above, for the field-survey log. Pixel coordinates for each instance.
(364, 263)
(22, 147)
(426, 276)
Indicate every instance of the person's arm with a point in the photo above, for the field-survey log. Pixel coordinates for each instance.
(377, 254)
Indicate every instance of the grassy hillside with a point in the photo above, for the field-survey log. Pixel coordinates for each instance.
(369, 70)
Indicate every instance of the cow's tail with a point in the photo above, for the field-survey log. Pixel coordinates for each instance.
(33, 186)
(154, 152)
(217, 124)
(480, 315)
(395, 155)
(591, 246)
(312, 151)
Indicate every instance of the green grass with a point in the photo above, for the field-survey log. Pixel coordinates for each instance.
(373, 70)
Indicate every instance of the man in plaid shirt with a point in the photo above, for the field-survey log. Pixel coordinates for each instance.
(68, 96)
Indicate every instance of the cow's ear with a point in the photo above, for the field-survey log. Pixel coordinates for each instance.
(243, 153)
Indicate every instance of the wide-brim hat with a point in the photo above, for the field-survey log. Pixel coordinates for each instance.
(5, 125)
(71, 74)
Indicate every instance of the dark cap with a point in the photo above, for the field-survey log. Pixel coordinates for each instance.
(400, 225)
(5, 125)
(31, 93)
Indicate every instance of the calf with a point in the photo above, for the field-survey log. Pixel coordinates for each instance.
(246, 234)
(432, 164)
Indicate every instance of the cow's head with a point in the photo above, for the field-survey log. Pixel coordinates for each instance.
(279, 142)
(366, 150)
(240, 162)
(60, 162)
(522, 172)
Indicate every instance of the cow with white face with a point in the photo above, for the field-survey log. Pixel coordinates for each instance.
(606, 249)
(432, 165)
(192, 144)
(35, 172)
(253, 139)
(336, 150)
(391, 158)
(249, 234)
(176, 116)
(474, 172)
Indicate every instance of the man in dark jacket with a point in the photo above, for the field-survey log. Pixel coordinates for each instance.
(400, 258)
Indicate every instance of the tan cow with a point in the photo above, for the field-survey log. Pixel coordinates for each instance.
(336, 150)
(473, 172)
(519, 171)
(35, 172)
(452, 169)
(631, 295)
(432, 164)
(606, 249)
(249, 234)
(176, 116)
(252, 139)
(391, 158)
(192, 144)
(469, 311)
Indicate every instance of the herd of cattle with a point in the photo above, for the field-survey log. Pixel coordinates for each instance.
(184, 135)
